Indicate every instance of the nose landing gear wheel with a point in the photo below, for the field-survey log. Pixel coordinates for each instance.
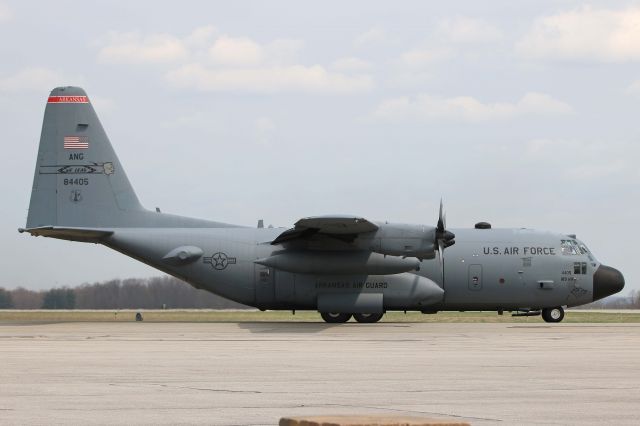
(367, 317)
(335, 317)
(553, 314)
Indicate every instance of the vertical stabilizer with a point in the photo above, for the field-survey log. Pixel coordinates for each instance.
(78, 181)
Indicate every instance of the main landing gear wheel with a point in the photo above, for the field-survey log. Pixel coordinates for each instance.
(367, 317)
(334, 317)
(553, 314)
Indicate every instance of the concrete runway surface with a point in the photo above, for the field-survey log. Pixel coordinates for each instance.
(254, 373)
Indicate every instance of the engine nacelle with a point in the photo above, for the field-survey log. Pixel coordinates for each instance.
(404, 240)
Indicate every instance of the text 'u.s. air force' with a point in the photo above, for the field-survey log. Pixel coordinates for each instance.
(518, 251)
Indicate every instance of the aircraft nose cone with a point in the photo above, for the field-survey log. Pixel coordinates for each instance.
(607, 281)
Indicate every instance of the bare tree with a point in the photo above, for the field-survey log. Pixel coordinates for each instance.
(59, 298)
(635, 299)
(26, 299)
(6, 301)
(151, 293)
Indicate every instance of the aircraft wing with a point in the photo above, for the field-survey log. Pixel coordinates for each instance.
(342, 228)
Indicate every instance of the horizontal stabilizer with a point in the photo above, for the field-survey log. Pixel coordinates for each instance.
(71, 234)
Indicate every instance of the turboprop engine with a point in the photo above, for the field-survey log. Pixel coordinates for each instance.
(419, 241)
(404, 240)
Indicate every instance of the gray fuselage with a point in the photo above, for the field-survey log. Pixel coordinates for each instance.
(487, 269)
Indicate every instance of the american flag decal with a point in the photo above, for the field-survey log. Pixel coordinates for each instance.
(76, 142)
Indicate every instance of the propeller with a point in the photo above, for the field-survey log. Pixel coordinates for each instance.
(444, 238)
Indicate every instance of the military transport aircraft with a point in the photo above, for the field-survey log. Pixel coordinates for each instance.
(341, 266)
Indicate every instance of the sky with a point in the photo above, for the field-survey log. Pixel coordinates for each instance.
(523, 114)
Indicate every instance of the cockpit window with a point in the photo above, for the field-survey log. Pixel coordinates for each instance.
(573, 248)
(576, 246)
(566, 248)
(569, 247)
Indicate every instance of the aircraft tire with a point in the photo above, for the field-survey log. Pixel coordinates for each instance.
(367, 318)
(553, 314)
(335, 317)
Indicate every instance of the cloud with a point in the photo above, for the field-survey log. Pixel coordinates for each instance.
(206, 61)
(200, 36)
(468, 30)
(5, 13)
(32, 78)
(373, 36)
(585, 34)
(134, 48)
(409, 80)
(466, 108)
(283, 50)
(236, 51)
(413, 69)
(271, 79)
(634, 87)
(448, 42)
(419, 58)
(243, 52)
(350, 64)
(240, 64)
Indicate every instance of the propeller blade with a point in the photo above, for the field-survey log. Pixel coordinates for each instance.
(441, 222)
(444, 238)
(441, 259)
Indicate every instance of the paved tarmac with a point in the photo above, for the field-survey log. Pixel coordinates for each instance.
(254, 373)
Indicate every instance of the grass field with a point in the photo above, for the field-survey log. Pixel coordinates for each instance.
(8, 316)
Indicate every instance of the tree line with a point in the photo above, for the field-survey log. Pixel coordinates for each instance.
(132, 293)
(165, 292)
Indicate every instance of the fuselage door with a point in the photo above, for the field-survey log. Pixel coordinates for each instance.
(475, 277)
(265, 290)
(285, 283)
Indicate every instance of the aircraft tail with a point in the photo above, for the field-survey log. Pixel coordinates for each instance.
(80, 190)
(78, 181)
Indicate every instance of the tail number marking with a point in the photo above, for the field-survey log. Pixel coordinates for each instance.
(76, 181)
